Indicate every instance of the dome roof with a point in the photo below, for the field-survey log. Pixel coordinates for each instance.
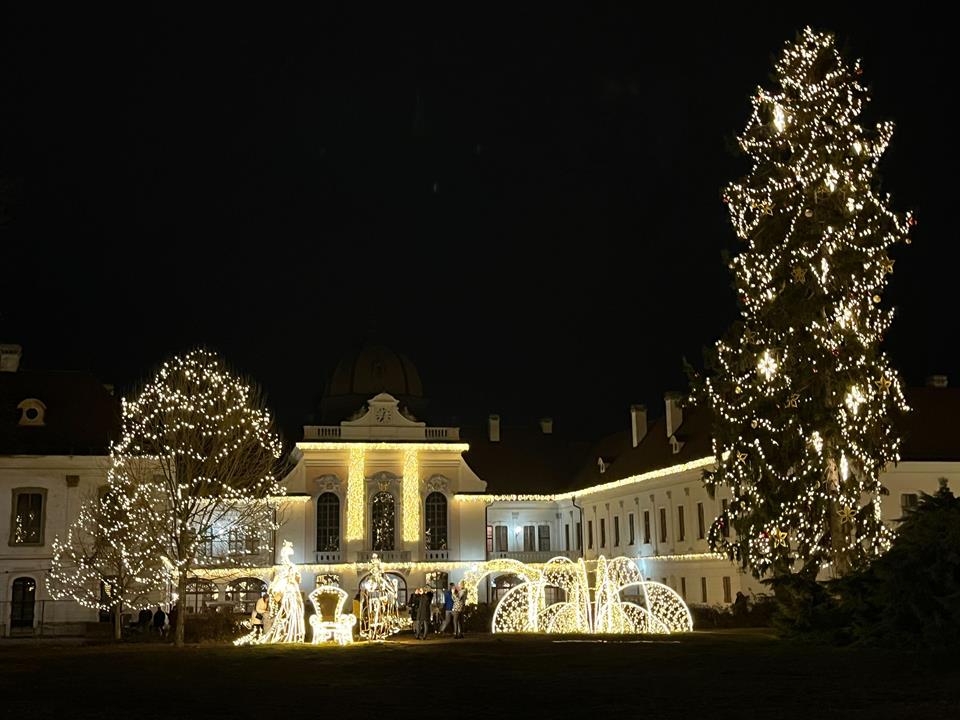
(366, 372)
(374, 369)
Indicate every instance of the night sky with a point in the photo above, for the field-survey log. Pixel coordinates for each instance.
(527, 203)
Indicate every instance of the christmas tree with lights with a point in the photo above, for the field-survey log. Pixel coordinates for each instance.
(196, 463)
(801, 396)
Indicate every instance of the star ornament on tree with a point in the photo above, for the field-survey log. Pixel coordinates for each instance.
(846, 514)
(742, 458)
(800, 274)
(779, 537)
(883, 383)
(793, 401)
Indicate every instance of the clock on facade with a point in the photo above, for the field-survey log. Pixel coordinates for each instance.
(383, 415)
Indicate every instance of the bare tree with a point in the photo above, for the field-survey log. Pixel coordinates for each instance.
(105, 562)
(199, 455)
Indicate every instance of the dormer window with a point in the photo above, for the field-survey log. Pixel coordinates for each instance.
(31, 412)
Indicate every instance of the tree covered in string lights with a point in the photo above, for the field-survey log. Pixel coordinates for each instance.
(198, 457)
(801, 395)
(105, 561)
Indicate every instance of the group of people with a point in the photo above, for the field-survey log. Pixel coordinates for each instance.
(424, 612)
(157, 621)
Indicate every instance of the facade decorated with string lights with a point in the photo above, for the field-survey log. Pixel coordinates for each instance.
(435, 504)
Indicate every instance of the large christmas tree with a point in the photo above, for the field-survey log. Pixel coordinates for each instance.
(802, 397)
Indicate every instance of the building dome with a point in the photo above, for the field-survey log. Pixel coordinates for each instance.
(366, 372)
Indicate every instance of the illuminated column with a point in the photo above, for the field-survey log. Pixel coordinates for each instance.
(411, 498)
(356, 495)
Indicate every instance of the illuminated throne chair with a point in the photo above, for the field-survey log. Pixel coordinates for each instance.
(328, 622)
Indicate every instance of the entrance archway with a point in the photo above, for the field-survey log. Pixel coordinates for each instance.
(22, 603)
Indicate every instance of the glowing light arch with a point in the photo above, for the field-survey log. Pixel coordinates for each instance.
(523, 608)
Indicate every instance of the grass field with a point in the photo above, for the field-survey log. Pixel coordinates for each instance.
(706, 675)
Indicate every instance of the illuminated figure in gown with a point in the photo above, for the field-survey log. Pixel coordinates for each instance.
(286, 602)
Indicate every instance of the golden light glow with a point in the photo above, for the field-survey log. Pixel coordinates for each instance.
(615, 485)
(356, 495)
(658, 609)
(411, 496)
(375, 446)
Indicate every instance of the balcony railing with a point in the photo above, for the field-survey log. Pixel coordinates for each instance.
(534, 556)
(436, 555)
(384, 555)
(328, 557)
(413, 434)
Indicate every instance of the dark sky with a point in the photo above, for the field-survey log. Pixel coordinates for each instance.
(527, 203)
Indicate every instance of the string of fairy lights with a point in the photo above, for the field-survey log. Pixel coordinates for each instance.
(192, 470)
(802, 394)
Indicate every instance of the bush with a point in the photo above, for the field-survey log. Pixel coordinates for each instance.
(477, 618)
(908, 597)
(213, 627)
(756, 613)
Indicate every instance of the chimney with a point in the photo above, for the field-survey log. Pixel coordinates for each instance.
(937, 381)
(638, 423)
(674, 413)
(546, 425)
(493, 425)
(10, 358)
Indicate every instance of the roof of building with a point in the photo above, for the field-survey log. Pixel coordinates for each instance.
(525, 460)
(80, 416)
(374, 369)
(930, 430)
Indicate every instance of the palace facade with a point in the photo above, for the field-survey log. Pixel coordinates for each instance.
(430, 501)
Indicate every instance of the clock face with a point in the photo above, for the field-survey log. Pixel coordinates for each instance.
(383, 415)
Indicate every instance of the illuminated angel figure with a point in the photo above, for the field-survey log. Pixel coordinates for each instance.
(286, 605)
(379, 613)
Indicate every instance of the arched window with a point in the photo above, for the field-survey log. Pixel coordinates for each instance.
(244, 593)
(22, 602)
(384, 521)
(200, 596)
(328, 522)
(436, 521)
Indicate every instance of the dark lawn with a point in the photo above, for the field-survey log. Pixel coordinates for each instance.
(743, 674)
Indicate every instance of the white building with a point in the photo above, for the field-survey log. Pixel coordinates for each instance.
(430, 501)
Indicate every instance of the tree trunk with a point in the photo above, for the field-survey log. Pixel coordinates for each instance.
(181, 614)
(839, 535)
(118, 621)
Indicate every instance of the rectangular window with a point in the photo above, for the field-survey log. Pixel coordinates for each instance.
(646, 527)
(701, 526)
(726, 520)
(632, 523)
(579, 537)
(489, 539)
(603, 532)
(683, 588)
(681, 526)
(501, 537)
(590, 534)
(543, 537)
(566, 536)
(529, 538)
(726, 590)
(908, 501)
(234, 541)
(616, 531)
(703, 588)
(27, 516)
(663, 525)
